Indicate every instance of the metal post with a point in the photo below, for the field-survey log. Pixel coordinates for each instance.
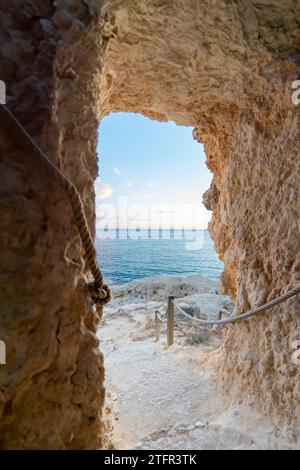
(170, 320)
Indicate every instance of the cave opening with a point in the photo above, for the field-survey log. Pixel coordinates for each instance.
(151, 182)
(152, 242)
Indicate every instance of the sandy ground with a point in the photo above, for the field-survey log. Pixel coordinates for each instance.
(159, 397)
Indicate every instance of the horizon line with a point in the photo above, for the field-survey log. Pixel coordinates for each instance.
(137, 229)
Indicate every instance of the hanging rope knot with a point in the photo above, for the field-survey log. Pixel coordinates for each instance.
(99, 295)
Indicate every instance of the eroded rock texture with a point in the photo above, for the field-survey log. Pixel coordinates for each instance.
(224, 67)
(51, 389)
(227, 68)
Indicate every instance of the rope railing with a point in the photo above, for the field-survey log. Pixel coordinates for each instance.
(99, 291)
(242, 316)
(173, 306)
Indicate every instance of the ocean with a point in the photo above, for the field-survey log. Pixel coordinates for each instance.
(126, 255)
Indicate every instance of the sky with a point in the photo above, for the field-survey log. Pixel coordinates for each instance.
(152, 174)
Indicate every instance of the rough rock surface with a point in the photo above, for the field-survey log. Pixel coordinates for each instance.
(171, 388)
(227, 68)
(51, 389)
(224, 67)
(197, 436)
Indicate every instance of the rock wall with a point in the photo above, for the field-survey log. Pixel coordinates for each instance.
(224, 67)
(227, 68)
(51, 389)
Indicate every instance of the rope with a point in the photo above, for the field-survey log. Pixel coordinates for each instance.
(99, 291)
(243, 316)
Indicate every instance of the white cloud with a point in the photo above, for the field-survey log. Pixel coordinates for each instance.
(129, 184)
(103, 190)
(116, 170)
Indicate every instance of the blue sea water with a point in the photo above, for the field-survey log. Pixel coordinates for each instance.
(128, 255)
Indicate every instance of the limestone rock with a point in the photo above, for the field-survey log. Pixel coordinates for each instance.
(226, 68)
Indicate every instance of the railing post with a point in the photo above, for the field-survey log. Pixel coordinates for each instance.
(157, 325)
(170, 321)
(146, 297)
